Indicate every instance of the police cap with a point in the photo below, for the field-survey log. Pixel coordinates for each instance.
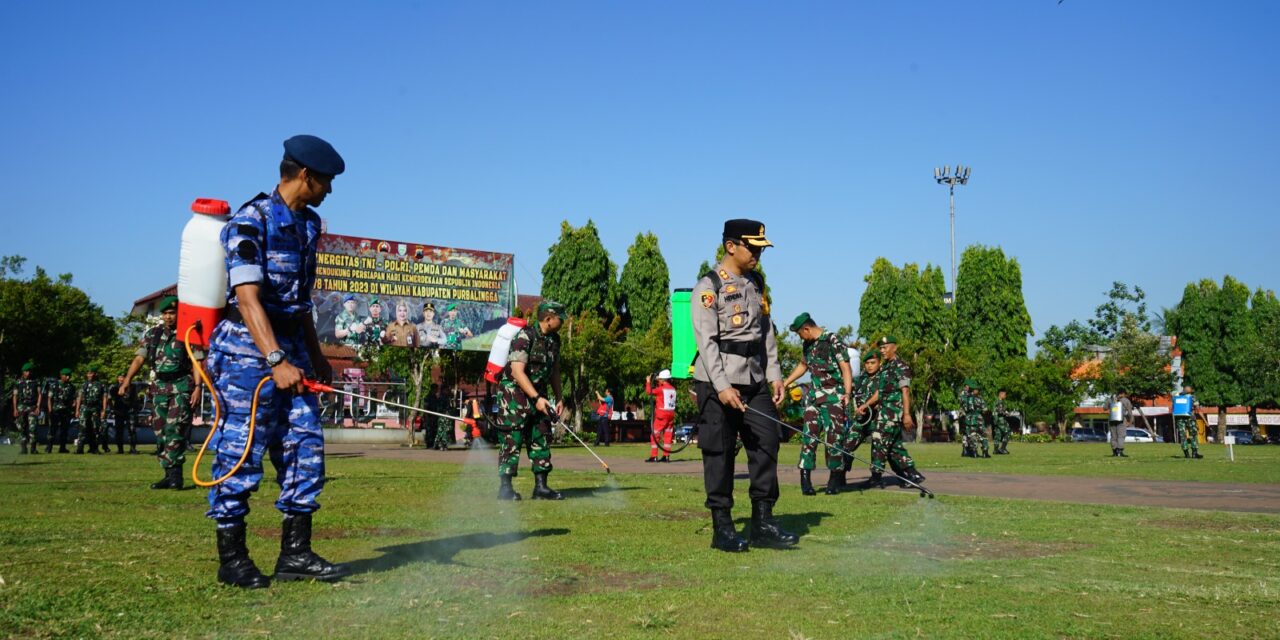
(315, 154)
(747, 231)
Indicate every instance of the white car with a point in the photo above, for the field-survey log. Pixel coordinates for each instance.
(1139, 435)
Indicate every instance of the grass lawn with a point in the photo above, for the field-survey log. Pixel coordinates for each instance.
(86, 550)
(1146, 461)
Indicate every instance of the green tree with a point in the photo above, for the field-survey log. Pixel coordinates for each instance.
(47, 320)
(1262, 362)
(590, 353)
(645, 284)
(579, 273)
(991, 317)
(1214, 332)
(1123, 305)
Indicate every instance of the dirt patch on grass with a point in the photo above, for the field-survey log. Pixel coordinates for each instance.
(584, 579)
(970, 549)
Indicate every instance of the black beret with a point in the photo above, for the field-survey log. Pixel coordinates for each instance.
(314, 154)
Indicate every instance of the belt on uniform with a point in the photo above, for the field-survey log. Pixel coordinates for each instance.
(744, 349)
(281, 325)
(170, 376)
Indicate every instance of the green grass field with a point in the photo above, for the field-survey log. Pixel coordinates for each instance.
(86, 550)
(1253, 464)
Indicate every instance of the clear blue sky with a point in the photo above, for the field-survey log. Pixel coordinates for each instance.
(1132, 141)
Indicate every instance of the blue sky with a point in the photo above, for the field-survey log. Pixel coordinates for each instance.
(1129, 141)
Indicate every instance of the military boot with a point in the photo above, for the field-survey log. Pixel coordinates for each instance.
(848, 465)
(835, 482)
(505, 491)
(806, 483)
(23, 452)
(986, 454)
(541, 491)
(176, 481)
(48, 448)
(1121, 453)
(297, 561)
(236, 568)
(1186, 453)
(1196, 454)
(765, 531)
(79, 447)
(166, 483)
(723, 534)
(877, 479)
(914, 476)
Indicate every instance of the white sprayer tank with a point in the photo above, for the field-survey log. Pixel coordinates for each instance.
(202, 270)
(502, 348)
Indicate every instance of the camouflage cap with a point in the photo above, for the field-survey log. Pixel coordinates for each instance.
(65, 372)
(889, 339)
(28, 365)
(167, 302)
(551, 306)
(800, 320)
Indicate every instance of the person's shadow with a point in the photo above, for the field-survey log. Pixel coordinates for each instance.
(442, 551)
(590, 492)
(798, 523)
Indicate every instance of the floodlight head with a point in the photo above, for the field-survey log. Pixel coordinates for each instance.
(937, 173)
(946, 169)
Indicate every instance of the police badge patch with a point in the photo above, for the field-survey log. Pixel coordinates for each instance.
(708, 299)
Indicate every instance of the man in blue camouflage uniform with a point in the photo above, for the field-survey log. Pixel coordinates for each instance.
(532, 364)
(91, 406)
(60, 398)
(26, 408)
(892, 400)
(175, 391)
(826, 359)
(265, 347)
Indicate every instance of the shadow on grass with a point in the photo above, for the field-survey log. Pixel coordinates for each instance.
(352, 454)
(589, 492)
(442, 551)
(798, 523)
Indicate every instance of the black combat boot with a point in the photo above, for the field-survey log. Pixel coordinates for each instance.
(848, 465)
(48, 448)
(806, 483)
(236, 568)
(541, 491)
(835, 482)
(1186, 453)
(877, 479)
(166, 483)
(652, 459)
(1121, 453)
(297, 561)
(79, 447)
(765, 531)
(1115, 452)
(133, 448)
(176, 481)
(23, 452)
(505, 491)
(723, 534)
(1196, 454)
(986, 454)
(665, 459)
(915, 476)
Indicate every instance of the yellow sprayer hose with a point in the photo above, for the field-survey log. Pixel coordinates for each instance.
(217, 419)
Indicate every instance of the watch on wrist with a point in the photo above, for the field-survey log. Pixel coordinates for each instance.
(275, 357)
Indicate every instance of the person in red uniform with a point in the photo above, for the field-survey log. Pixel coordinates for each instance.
(664, 415)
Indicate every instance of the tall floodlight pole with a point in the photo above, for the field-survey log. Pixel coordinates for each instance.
(961, 177)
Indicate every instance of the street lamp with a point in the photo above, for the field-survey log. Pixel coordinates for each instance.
(945, 176)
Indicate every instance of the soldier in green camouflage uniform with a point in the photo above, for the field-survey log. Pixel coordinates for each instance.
(345, 325)
(175, 393)
(1000, 424)
(533, 362)
(439, 402)
(454, 328)
(861, 426)
(26, 408)
(826, 359)
(892, 398)
(374, 326)
(1186, 426)
(91, 406)
(972, 405)
(60, 399)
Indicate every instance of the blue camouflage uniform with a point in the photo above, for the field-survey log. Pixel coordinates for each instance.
(268, 244)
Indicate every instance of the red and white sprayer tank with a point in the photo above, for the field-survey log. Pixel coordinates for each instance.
(502, 348)
(202, 270)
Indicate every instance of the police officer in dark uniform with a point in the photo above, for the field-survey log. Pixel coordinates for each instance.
(737, 367)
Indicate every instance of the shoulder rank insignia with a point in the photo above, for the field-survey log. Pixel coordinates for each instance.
(707, 299)
(724, 275)
(730, 289)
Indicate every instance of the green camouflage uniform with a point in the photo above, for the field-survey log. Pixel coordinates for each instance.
(453, 332)
(1000, 425)
(93, 431)
(171, 400)
(893, 376)
(374, 328)
(824, 414)
(345, 321)
(62, 401)
(863, 389)
(444, 426)
(973, 406)
(1186, 425)
(519, 422)
(28, 393)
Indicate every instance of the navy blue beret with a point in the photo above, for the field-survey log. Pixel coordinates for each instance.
(314, 154)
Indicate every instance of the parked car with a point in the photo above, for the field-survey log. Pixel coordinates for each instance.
(1088, 434)
(685, 433)
(1242, 436)
(1133, 434)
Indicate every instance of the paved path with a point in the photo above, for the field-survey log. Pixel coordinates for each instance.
(1220, 496)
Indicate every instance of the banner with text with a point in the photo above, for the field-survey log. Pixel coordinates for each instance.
(371, 292)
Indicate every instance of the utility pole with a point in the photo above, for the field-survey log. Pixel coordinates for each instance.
(961, 177)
